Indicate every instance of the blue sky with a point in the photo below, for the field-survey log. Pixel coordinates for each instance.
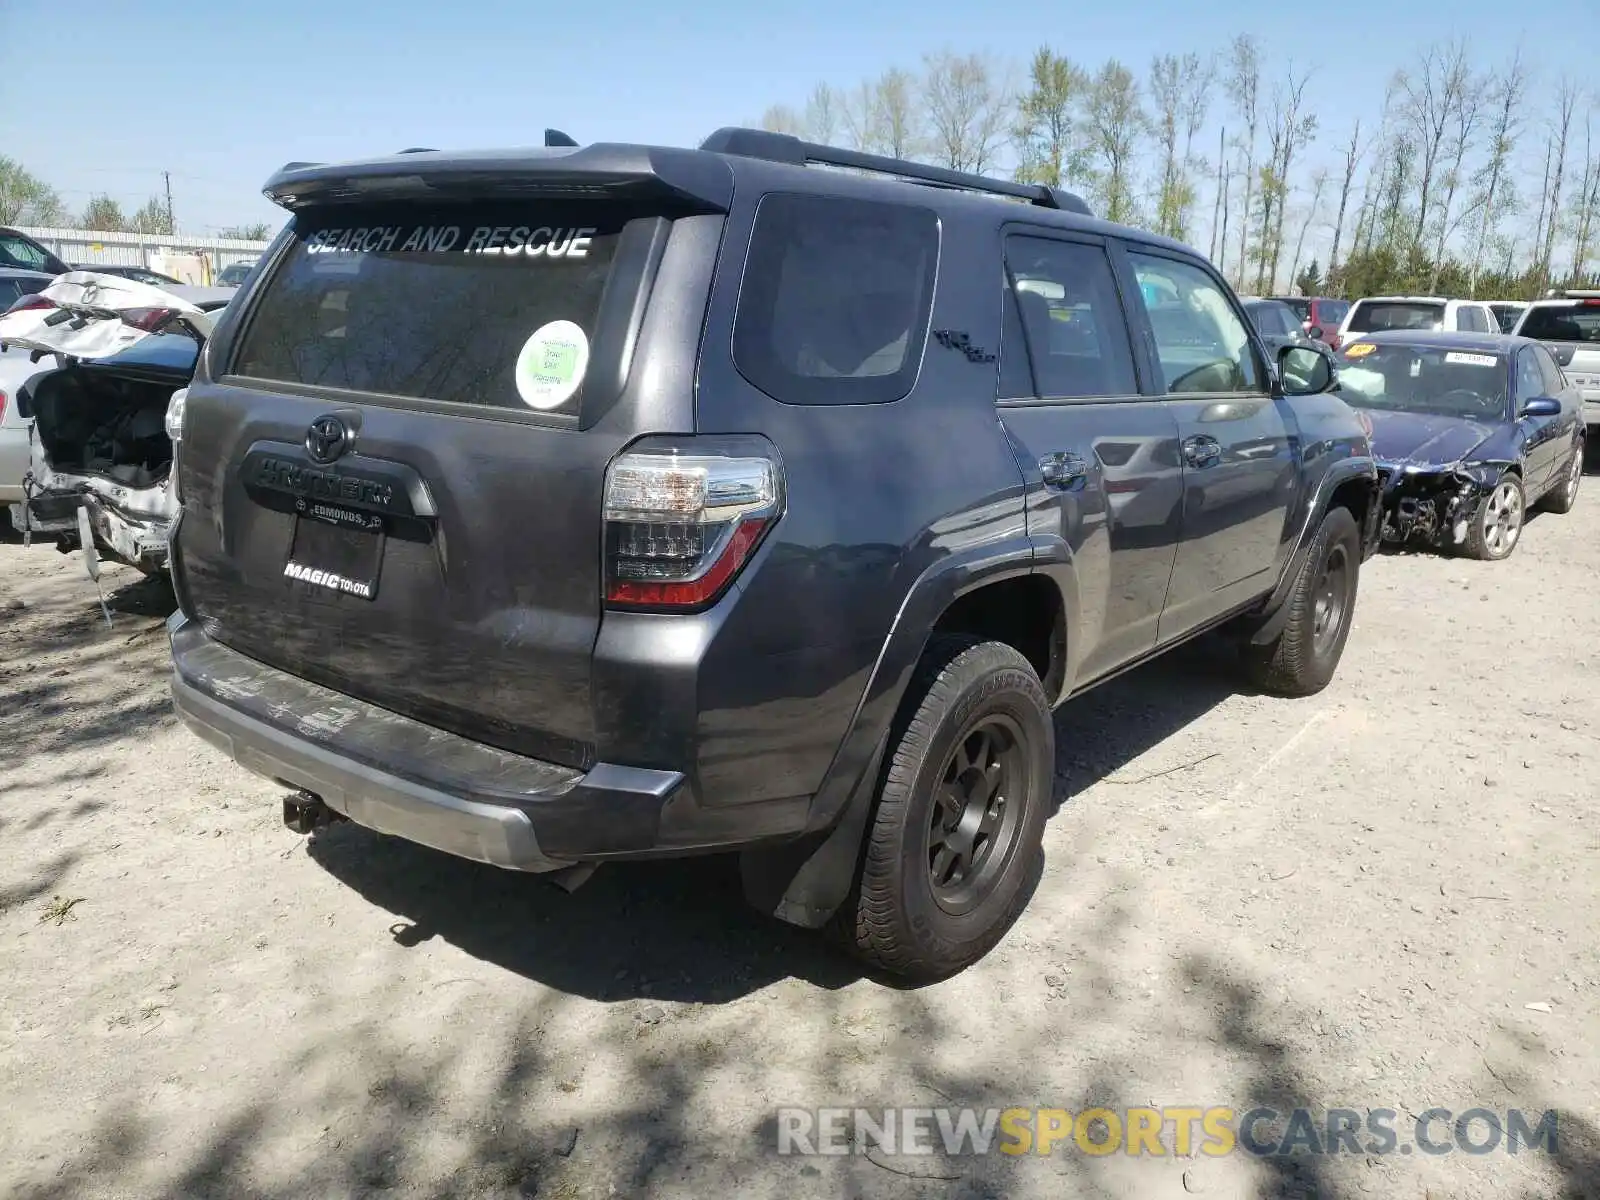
(221, 94)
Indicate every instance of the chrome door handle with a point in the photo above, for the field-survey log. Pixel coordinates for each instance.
(1063, 469)
(1202, 451)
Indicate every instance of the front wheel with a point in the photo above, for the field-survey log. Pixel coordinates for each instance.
(957, 830)
(1301, 660)
(1498, 525)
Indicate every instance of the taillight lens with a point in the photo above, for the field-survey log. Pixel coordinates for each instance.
(174, 420)
(678, 527)
(148, 319)
(3, 401)
(33, 300)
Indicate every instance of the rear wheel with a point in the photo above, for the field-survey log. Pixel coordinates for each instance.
(1498, 526)
(1564, 496)
(1303, 657)
(956, 833)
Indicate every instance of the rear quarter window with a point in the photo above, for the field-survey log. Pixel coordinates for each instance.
(835, 297)
(483, 305)
(1376, 316)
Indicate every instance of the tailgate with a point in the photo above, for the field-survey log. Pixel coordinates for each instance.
(392, 485)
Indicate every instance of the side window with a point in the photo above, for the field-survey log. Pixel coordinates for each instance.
(14, 252)
(1199, 339)
(1530, 381)
(1063, 317)
(1472, 318)
(1554, 381)
(834, 304)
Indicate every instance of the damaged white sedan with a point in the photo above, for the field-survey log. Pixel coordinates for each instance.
(103, 431)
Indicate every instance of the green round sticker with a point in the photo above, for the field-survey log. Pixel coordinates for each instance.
(552, 364)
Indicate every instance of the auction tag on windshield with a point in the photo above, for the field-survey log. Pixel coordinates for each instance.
(1359, 350)
(1470, 360)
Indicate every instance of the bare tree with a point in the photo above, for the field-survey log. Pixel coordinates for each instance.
(1495, 197)
(1461, 133)
(1219, 212)
(1566, 104)
(967, 105)
(1319, 184)
(1179, 88)
(1353, 154)
(1586, 208)
(1244, 83)
(780, 118)
(898, 116)
(1116, 122)
(1046, 133)
(1544, 201)
(861, 116)
(823, 116)
(1289, 130)
(1433, 93)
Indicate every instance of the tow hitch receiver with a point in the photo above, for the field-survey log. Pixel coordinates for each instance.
(305, 811)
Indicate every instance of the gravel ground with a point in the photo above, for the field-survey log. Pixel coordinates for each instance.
(1380, 897)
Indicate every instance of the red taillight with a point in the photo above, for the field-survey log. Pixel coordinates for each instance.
(679, 527)
(148, 319)
(2, 406)
(1591, 303)
(32, 300)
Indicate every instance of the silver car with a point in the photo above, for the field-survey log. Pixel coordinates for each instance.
(1569, 324)
(16, 367)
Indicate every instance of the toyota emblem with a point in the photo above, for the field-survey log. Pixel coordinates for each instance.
(327, 439)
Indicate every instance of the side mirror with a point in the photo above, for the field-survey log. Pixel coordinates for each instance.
(1541, 406)
(1304, 371)
(1315, 333)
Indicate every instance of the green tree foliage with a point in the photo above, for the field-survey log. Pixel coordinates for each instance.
(25, 199)
(104, 214)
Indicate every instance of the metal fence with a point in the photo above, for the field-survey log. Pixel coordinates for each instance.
(135, 249)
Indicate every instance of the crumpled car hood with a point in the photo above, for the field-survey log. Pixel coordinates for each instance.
(99, 305)
(1425, 440)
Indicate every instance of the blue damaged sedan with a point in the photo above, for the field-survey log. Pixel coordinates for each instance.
(1469, 432)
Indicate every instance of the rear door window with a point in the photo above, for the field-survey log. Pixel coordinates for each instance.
(1554, 381)
(835, 298)
(493, 305)
(1376, 316)
(1576, 322)
(20, 252)
(1065, 335)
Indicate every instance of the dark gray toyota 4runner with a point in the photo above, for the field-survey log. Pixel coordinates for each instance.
(571, 504)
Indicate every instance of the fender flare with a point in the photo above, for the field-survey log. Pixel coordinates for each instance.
(1276, 610)
(804, 881)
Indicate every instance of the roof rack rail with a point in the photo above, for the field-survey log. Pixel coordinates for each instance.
(786, 148)
(418, 150)
(1572, 294)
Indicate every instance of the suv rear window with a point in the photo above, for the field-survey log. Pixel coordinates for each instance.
(486, 305)
(1575, 322)
(1330, 313)
(834, 303)
(1301, 307)
(1375, 316)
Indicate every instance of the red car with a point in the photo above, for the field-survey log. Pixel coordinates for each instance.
(1320, 316)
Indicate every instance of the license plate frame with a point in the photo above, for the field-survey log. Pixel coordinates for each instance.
(336, 550)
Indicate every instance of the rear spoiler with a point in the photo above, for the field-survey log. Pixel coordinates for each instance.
(700, 181)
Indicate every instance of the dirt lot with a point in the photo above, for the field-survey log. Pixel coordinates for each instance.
(1351, 900)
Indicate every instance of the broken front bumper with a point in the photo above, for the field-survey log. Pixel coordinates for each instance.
(1435, 505)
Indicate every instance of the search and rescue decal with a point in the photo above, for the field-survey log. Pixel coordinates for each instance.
(528, 241)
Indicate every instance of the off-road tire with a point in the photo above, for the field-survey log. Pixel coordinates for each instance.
(894, 921)
(1477, 544)
(1563, 498)
(1298, 662)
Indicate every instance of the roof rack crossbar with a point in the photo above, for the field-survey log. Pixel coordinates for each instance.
(786, 148)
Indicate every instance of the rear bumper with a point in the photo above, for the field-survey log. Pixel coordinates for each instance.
(402, 777)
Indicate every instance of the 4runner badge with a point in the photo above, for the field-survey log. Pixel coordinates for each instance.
(955, 339)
